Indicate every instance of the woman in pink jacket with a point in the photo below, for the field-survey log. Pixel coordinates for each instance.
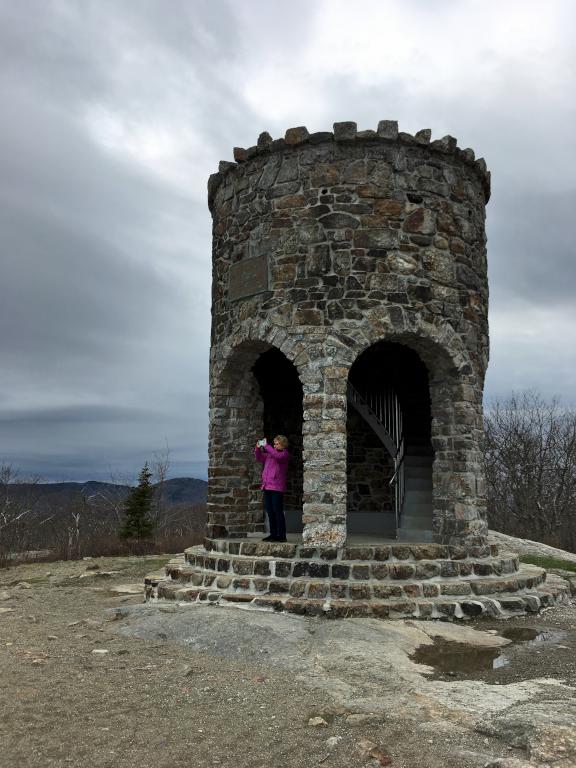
(275, 459)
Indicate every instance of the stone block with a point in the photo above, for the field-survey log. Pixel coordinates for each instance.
(264, 140)
(345, 131)
(262, 568)
(300, 569)
(381, 553)
(388, 129)
(340, 571)
(243, 567)
(361, 572)
(318, 570)
(297, 588)
(240, 154)
(360, 591)
(402, 571)
(379, 571)
(455, 588)
(423, 136)
(357, 553)
(296, 135)
(400, 608)
(472, 608)
(386, 591)
(427, 570)
(318, 589)
(448, 569)
(402, 551)
(232, 597)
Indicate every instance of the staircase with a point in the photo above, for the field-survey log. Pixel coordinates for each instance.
(412, 478)
(416, 517)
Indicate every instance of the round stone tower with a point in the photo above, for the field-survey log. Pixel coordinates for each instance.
(350, 312)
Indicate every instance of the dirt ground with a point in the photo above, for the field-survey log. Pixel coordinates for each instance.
(91, 677)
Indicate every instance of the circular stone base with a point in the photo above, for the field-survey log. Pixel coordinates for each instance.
(383, 581)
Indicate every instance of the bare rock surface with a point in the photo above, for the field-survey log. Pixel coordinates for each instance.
(223, 686)
(528, 547)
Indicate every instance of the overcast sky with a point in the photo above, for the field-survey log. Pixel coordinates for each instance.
(114, 113)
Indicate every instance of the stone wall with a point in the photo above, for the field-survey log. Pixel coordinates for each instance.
(323, 245)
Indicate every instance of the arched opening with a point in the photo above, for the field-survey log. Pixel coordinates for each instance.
(281, 392)
(257, 393)
(389, 448)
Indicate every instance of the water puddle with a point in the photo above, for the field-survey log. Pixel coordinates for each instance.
(530, 636)
(454, 659)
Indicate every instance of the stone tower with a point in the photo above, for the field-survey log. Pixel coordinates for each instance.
(350, 312)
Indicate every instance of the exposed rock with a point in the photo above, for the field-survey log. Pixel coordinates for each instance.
(127, 589)
(360, 718)
(317, 722)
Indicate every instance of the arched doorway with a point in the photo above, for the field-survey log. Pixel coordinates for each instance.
(281, 393)
(256, 393)
(389, 448)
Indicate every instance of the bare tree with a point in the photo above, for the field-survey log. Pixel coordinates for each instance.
(18, 505)
(530, 454)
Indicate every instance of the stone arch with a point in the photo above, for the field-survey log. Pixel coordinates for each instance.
(458, 499)
(258, 331)
(242, 406)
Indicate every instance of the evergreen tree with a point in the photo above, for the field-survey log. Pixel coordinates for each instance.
(137, 507)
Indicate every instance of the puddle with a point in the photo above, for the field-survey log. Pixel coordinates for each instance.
(452, 658)
(530, 636)
(455, 659)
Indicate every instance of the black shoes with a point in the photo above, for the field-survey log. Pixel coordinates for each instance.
(273, 538)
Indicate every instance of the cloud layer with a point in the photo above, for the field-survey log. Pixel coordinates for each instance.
(114, 114)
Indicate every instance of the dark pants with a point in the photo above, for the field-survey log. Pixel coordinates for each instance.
(274, 506)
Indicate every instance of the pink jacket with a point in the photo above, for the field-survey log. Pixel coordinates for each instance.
(275, 467)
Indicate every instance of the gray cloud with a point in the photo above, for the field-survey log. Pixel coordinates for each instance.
(115, 112)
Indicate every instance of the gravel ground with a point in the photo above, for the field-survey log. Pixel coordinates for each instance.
(93, 678)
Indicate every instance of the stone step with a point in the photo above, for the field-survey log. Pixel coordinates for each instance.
(409, 534)
(417, 514)
(409, 551)
(417, 460)
(360, 570)
(358, 604)
(337, 588)
(418, 499)
(418, 482)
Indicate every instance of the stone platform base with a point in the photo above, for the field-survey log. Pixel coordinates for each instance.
(384, 581)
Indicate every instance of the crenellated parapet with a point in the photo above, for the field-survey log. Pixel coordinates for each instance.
(345, 133)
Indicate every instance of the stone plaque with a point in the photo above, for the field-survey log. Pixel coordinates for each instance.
(248, 277)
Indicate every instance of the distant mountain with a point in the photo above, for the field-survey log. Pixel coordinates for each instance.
(178, 490)
(185, 490)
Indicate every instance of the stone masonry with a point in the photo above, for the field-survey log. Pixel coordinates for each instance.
(323, 245)
(342, 262)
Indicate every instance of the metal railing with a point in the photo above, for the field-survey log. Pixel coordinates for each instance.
(381, 410)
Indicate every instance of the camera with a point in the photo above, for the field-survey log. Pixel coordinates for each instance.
(262, 442)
